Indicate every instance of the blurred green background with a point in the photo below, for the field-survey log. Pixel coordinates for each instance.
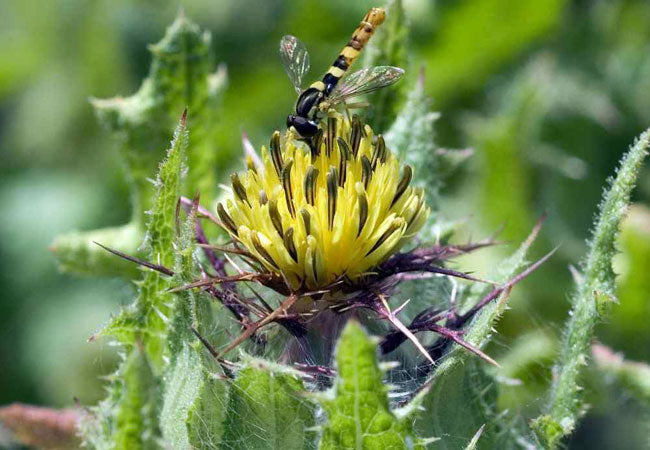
(548, 93)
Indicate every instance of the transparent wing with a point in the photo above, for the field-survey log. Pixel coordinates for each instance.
(295, 60)
(364, 81)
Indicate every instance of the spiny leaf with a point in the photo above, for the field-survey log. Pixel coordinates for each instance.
(267, 409)
(148, 315)
(180, 77)
(565, 404)
(136, 416)
(194, 401)
(206, 415)
(81, 255)
(629, 321)
(184, 315)
(634, 376)
(358, 413)
(412, 137)
(388, 48)
(459, 381)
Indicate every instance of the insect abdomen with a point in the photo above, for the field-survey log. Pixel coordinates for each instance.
(351, 51)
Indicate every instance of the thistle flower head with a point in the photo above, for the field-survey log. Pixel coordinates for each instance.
(333, 210)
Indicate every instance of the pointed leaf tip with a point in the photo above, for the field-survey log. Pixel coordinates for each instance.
(360, 382)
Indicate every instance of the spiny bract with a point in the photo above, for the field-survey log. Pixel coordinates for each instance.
(326, 212)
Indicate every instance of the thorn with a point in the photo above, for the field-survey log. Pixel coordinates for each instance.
(157, 267)
(184, 117)
(399, 309)
(248, 276)
(403, 328)
(290, 300)
(205, 343)
(202, 211)
(477, 436)
(575, 275)
(497, 291)
(453, 335)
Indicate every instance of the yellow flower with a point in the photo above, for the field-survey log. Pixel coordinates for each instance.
(333, 211)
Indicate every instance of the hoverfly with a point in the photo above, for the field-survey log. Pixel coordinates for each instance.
(314, 101)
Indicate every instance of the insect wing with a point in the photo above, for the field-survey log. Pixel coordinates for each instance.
(295, 60)
(365, 81)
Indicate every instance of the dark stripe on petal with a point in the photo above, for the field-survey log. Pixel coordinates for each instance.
(331, 135)
(356, 134)
(276, 154)
(276, 220)
(366, 171)
(239, 189)
(306, 218)
(286, 184)
(392, 229)
(332, 190)
(263, 198)
(261, 250)
(310, 185)
(289, 244)
(363, 210)
(226, 219)
(403, 184)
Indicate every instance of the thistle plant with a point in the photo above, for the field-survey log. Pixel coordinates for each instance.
(316, 304)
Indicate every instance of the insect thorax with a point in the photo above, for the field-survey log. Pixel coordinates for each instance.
(307, 103)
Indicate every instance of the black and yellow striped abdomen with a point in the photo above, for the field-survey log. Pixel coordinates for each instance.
(351, 51)
(304, 121)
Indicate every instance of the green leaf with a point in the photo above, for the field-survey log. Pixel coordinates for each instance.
(268, 409)
(136, 416)
(194, 403)
(147, 317)
(207, 414)
(527, 366)
(181, 76)
(194, 400)
(182, 385)
(460, 397)
(628, 323)
(634, 376)
(388, 47)
(412, 136)
(565, 404)
(358, 413)
(77, 252)
(142, 327)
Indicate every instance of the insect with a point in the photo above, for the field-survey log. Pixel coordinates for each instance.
(314, 101)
